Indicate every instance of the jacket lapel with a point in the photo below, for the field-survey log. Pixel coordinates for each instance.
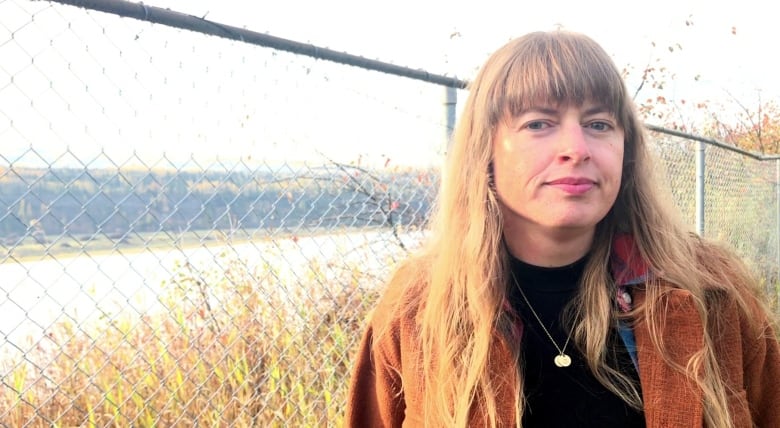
(670, 398)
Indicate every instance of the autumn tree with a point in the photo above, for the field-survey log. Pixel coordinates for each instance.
(654, 87)
(750, 124)
(755, 127)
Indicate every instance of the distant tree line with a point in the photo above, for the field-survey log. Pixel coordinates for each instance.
(84, 202)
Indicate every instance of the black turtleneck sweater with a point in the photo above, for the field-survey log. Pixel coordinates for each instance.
(563, 396)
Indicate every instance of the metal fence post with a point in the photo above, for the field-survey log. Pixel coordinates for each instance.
(450, 103)
(700, 147)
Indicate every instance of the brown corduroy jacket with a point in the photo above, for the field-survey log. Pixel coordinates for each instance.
(386, 384)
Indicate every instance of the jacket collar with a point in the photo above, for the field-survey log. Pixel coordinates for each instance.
(670, 397)
(626, 263)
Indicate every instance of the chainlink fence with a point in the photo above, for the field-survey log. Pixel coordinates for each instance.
(193, 229)
(739, 200)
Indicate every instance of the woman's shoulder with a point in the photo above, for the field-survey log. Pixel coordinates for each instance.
(726, 274)
(734, 297)
(722, 283)
(399, 302)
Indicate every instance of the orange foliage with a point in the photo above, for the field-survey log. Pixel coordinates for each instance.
(756, 130)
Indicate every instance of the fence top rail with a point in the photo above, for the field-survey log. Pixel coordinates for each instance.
(184, 21)
(712, 142)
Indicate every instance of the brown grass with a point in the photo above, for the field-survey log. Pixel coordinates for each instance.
(235, 347)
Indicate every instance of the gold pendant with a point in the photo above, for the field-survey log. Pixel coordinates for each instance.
(562, 360)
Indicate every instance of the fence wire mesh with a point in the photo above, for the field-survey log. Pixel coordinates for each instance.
(192, 229)
(740, 200)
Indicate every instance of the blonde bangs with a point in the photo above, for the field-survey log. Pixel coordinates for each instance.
(556, 69)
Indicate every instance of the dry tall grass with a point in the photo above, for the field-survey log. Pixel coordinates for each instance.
(234, 347)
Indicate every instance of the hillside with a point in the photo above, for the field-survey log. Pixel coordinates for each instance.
(87, 203)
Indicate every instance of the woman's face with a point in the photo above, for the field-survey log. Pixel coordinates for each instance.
(557, 169)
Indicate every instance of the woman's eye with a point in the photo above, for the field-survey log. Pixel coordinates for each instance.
(536, 125)
(600, 126)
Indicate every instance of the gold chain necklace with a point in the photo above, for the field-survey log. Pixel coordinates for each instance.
(562, 359)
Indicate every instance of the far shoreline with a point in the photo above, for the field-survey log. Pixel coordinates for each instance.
(69, 247)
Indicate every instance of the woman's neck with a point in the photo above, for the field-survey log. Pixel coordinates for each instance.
(559, 248)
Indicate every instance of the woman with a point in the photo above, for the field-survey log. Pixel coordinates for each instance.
(556, 288)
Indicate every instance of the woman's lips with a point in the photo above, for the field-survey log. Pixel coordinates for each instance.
(573, 185)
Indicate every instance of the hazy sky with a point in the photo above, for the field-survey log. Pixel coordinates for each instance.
(719, 50)
(86, 88)
(418, 33)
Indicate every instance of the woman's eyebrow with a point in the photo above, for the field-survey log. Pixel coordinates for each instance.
(541, 109)
(552, 111)
(596, 109)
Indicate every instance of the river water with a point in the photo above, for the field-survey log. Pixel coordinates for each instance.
(87, 289)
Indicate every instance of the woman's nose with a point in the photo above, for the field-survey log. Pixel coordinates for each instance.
(573, 144)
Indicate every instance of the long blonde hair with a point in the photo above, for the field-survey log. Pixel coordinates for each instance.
(457, 283)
